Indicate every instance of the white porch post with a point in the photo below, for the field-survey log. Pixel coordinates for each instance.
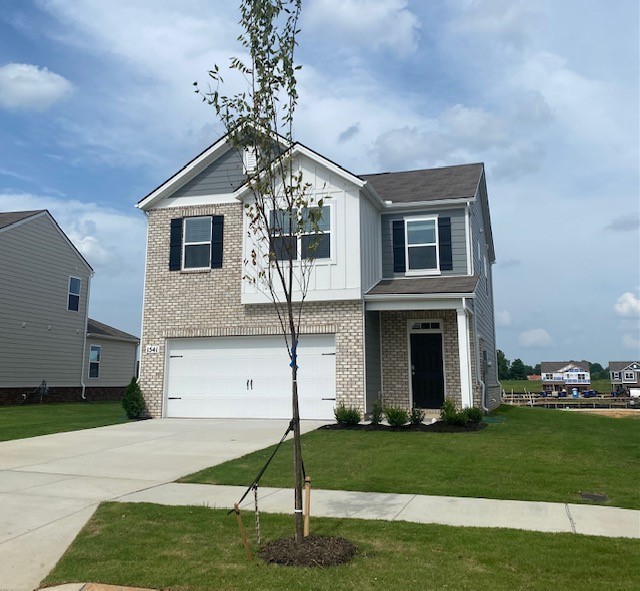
(465, 357)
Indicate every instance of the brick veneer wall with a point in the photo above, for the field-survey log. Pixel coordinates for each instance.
(395, 355)
(202, 304)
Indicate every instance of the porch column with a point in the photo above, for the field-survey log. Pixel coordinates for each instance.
(465, 358)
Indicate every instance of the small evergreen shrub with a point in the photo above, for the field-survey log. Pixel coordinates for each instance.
(450, 415)
(475, 414)
(396, 416)
(417, 416)
(376, 413)
(347, 415)
(133, 402)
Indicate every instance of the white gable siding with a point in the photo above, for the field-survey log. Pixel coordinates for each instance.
(39, 338)
(339, 277)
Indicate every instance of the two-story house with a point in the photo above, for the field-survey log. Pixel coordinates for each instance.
(625, 375)
(558, 376)
(45, 332)
(399, 307)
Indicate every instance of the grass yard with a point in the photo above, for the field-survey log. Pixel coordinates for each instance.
(18, 422)
(527, 453)
(519, 386)
(198, 549)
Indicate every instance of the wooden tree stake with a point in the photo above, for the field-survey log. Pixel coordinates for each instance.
(307, 503)
(245, 542)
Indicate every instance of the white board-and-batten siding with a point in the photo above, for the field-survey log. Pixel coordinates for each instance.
(39, 338)
(117, 362)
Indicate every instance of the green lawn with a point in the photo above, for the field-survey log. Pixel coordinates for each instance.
(17, 422)
(199, 549)
(527, 453)
(518, 386)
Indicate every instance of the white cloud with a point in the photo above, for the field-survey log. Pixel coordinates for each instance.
(536, 337)
(371, 24)
(628, 305)
(625, 223)
(503, 318)
(631, 342)
(28, 87)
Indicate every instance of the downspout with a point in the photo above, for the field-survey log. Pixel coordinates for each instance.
(84, 340)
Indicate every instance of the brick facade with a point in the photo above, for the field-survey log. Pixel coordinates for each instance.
(207, 304)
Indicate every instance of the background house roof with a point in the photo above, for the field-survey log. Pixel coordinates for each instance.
(425, 285)
(554, 366)
(620, 365)
(11, 217)
(435, 184)
(99, 329)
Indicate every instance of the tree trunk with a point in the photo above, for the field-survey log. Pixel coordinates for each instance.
(297, 456)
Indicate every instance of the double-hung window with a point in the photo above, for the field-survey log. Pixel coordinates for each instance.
(73, 298)
(94, 361)
(196, 246)
(629, 377)
(314, 240)
(421, 246)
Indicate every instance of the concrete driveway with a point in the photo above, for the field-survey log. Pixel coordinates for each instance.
(51, 485)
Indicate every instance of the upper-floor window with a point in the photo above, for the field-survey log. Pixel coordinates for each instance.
(94, 361)
(314, 239)
(421, 245)
(73, 299)
(196, 243)
(629, 376)
(548, 376)
(616, 375)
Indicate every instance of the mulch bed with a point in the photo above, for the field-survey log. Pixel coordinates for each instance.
(437, 427)
(312, 551)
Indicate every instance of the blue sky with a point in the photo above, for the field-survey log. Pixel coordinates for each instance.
(97, 108)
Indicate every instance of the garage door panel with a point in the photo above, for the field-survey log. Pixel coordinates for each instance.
(249, 377)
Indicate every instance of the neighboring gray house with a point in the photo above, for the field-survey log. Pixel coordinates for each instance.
(399, 309)
(111, 356)
(625, 375)
(44, 290)
(558, 376)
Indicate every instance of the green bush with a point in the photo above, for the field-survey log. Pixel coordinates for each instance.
(450, 415)
(417, 416)
(347, 415)
(376, 413)
(133, 402)
(396, 416)
(475, 414)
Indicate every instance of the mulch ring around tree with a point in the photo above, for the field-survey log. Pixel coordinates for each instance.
(437, 427)
(312, 551)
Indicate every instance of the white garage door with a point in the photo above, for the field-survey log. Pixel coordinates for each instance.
(249, 377)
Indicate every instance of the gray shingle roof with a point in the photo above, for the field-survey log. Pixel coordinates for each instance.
(11, 217)
(425, 286)
(99, 329)
(449, 182)
(554, 366)
(620, 365)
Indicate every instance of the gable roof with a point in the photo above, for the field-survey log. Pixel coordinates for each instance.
(556, 366)
(435, 184)
(100, 330)
(11, 217)
(622, 365)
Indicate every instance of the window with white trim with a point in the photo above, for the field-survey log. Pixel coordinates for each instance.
(73, 298)
(314, 241)
(94, 361)
(421, 245)
(196, 243)
(616, 375)
(629, 376)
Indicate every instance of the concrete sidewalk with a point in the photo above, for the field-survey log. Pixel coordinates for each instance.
(458, 511)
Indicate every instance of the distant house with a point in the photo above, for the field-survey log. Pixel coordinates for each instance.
(625, 375)
(44, 324)
(565, 375)
(534, 377)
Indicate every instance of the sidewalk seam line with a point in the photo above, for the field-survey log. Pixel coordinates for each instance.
(571, 522)
(403, 508)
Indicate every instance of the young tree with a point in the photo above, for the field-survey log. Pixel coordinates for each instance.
(284, 216)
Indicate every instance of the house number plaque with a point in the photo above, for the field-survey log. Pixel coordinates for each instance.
(152, 349)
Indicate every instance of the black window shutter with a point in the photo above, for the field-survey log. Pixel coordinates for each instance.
(175, 245)
(217, 224)
(399, 265)
(444, 237)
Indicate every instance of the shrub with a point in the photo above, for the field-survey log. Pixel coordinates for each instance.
(396, 416)
(347, 415)
(474, 414)
(376, 413)
(450, 415)
(417, 416)
(133, 402)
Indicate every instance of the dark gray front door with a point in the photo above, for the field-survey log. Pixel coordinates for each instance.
(427, 377)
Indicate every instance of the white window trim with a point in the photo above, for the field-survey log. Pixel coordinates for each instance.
(413, 272)
(89, 376)
(629, 377)
(69, 293)
(185, 244)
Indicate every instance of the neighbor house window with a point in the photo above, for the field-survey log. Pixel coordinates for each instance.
(421, 245)
(548, 376)
(196, 246)
(314, 241)
(629, 376)
(94, 361)
(73, 300)
(616, 375)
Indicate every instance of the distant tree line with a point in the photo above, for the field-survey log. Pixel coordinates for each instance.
(518, 370)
